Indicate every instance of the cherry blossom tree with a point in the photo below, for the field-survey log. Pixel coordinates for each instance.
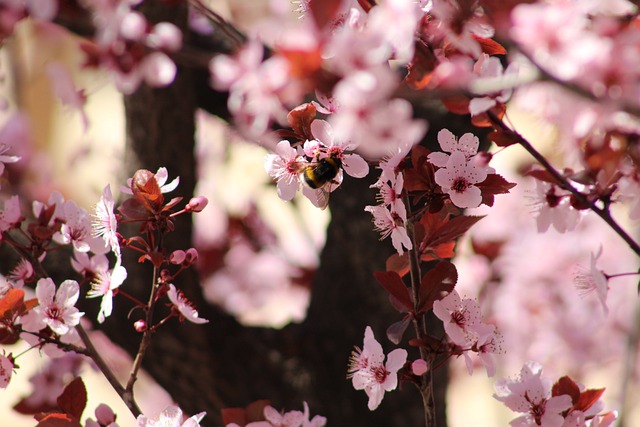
(398, 116)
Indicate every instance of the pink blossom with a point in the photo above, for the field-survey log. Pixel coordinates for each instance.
(489, 71)
(370, 118)
(184, 306)
(6, 369)
(170, 417)
(400, 36)
(76, 229)
(531, 394)
(288, 419)
(553, 207)
(104, 284)
(458, 316)
(55, 309)
(66, 91)
(105, 223)
(49, 382)
(22, 273)
(104, 417)
(317, 421)
(594, 280)
(467, 144)
(458, 179)
(285, 166)
(369, 372)
(5, 158)
(255, 87)
(487, 343)
(10, 215)
(88, 265)
(391, 195)
(390, 224)
(352, 163)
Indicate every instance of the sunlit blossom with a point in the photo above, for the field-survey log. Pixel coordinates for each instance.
(184, 306)
(370, 373)
(170, 417)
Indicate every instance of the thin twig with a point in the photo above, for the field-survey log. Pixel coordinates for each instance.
(591, 204)
(126, 396)
(419, 325)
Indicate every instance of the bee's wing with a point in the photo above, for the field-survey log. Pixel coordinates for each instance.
(319, 196)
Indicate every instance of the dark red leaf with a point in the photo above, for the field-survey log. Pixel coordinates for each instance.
(73, 399)
(133, 209)
(393, 284)
(234, 415)
(324, 11)
(255, 410)
(420, 69)
(59, 420)
(456, 104)
(440, 229)
(503, 138)
(11, 305)
(492, 185)
(566, 385)
(398, 263)
(26, 408)
(397, 329)
(438, 281)
(588, 398)
(300, 119)
(490, 46)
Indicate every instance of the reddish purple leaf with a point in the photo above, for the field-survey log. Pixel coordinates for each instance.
(566, 385)
(392, 283)
(73, 399)
(438, 281)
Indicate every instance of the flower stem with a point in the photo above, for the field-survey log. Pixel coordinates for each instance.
(146, 336)
(419, 325)
(126, 396)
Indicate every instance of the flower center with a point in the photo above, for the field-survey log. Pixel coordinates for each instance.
(379, 373)
(460, 185)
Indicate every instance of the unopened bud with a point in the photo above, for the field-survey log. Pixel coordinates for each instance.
(177, 257)
(196, 204)
(419, 367)
(192, 256)
(140, 325)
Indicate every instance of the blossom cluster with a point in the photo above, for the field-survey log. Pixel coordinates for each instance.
(542, 403)
(461, 319)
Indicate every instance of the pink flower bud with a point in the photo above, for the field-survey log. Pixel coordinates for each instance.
(197, 204)
(177, 257)
(419, 367)
(192, 256)
(140, 325)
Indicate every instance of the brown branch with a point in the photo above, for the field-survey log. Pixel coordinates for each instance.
(603, 213)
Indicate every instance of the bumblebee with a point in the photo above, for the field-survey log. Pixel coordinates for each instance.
(320, 175)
